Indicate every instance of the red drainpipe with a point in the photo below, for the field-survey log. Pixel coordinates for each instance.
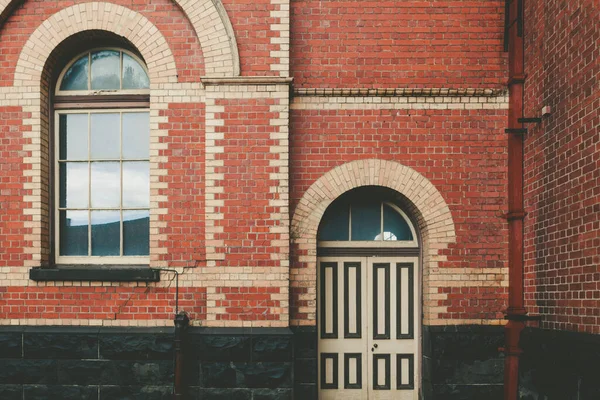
(516, 313)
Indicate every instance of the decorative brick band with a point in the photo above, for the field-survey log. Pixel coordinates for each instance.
(335, 92)
(358, 102)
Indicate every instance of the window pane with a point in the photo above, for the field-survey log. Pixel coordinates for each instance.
(134, 76)
(335, 223)
(136, 184)
(136, 135)
(76, 77)
(73, 132)
(106, 65)
(106, 184)
(73, 233)
(394, 226)
(366, 221)
(74, 185)
(136, 228)
(105, 136)
(106, 228)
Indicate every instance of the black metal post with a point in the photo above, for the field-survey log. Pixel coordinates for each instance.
(182, 322)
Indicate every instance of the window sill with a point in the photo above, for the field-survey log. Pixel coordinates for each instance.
(136, 273)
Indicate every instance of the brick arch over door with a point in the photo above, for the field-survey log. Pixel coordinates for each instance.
(208, 17)
(428, 207)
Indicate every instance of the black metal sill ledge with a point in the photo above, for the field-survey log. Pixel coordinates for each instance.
(95, 273)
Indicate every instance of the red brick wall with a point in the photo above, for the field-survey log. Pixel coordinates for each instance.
(12, 179)
(99, 303)
(246, 183)
(185, 190)
(562, 185)
(165, 14)
(462, 152)
(248, 303)
(246, 211)
(334, 44)
(252, 25)
(412, 43)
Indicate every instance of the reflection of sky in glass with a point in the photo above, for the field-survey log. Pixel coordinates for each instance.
(106, 66)
(105, 134)
(386, 236)
(76, 218)
(76, 185)
(76, 77)
(136, 132)
(136, 193)
(134, 76)
(73, 137)
(106, 184)
(132, 215)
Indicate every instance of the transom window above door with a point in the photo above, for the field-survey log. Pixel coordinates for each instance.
(102, 160)
(366, 214)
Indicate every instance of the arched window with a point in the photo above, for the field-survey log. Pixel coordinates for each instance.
(368, 215)
(102, 190)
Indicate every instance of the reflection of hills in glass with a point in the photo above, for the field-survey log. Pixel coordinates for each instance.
(106, 238)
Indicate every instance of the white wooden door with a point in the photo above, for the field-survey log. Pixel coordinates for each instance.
(368, 328)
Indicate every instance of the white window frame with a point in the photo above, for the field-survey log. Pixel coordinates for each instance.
(96, 260)
(94, 104)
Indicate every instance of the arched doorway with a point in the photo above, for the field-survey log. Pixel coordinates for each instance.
(368, 290)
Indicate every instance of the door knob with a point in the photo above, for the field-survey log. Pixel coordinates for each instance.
(375, 345)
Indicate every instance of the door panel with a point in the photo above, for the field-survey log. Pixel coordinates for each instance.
(342, 333)
(367, 327)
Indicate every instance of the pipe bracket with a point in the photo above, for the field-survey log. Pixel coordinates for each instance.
(516, 131)
(515, 215)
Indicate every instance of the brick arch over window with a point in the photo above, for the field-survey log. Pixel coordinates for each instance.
(427, 206)
(95, 16)
(208, 17)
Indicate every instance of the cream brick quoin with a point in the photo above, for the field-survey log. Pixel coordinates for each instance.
(434, 221)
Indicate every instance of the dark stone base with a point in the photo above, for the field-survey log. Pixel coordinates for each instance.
(117, 363)
(462, 362)
(558, 365)
(305, 363)
(459, 362)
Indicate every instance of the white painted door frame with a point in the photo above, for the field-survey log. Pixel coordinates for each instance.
(369, 332)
